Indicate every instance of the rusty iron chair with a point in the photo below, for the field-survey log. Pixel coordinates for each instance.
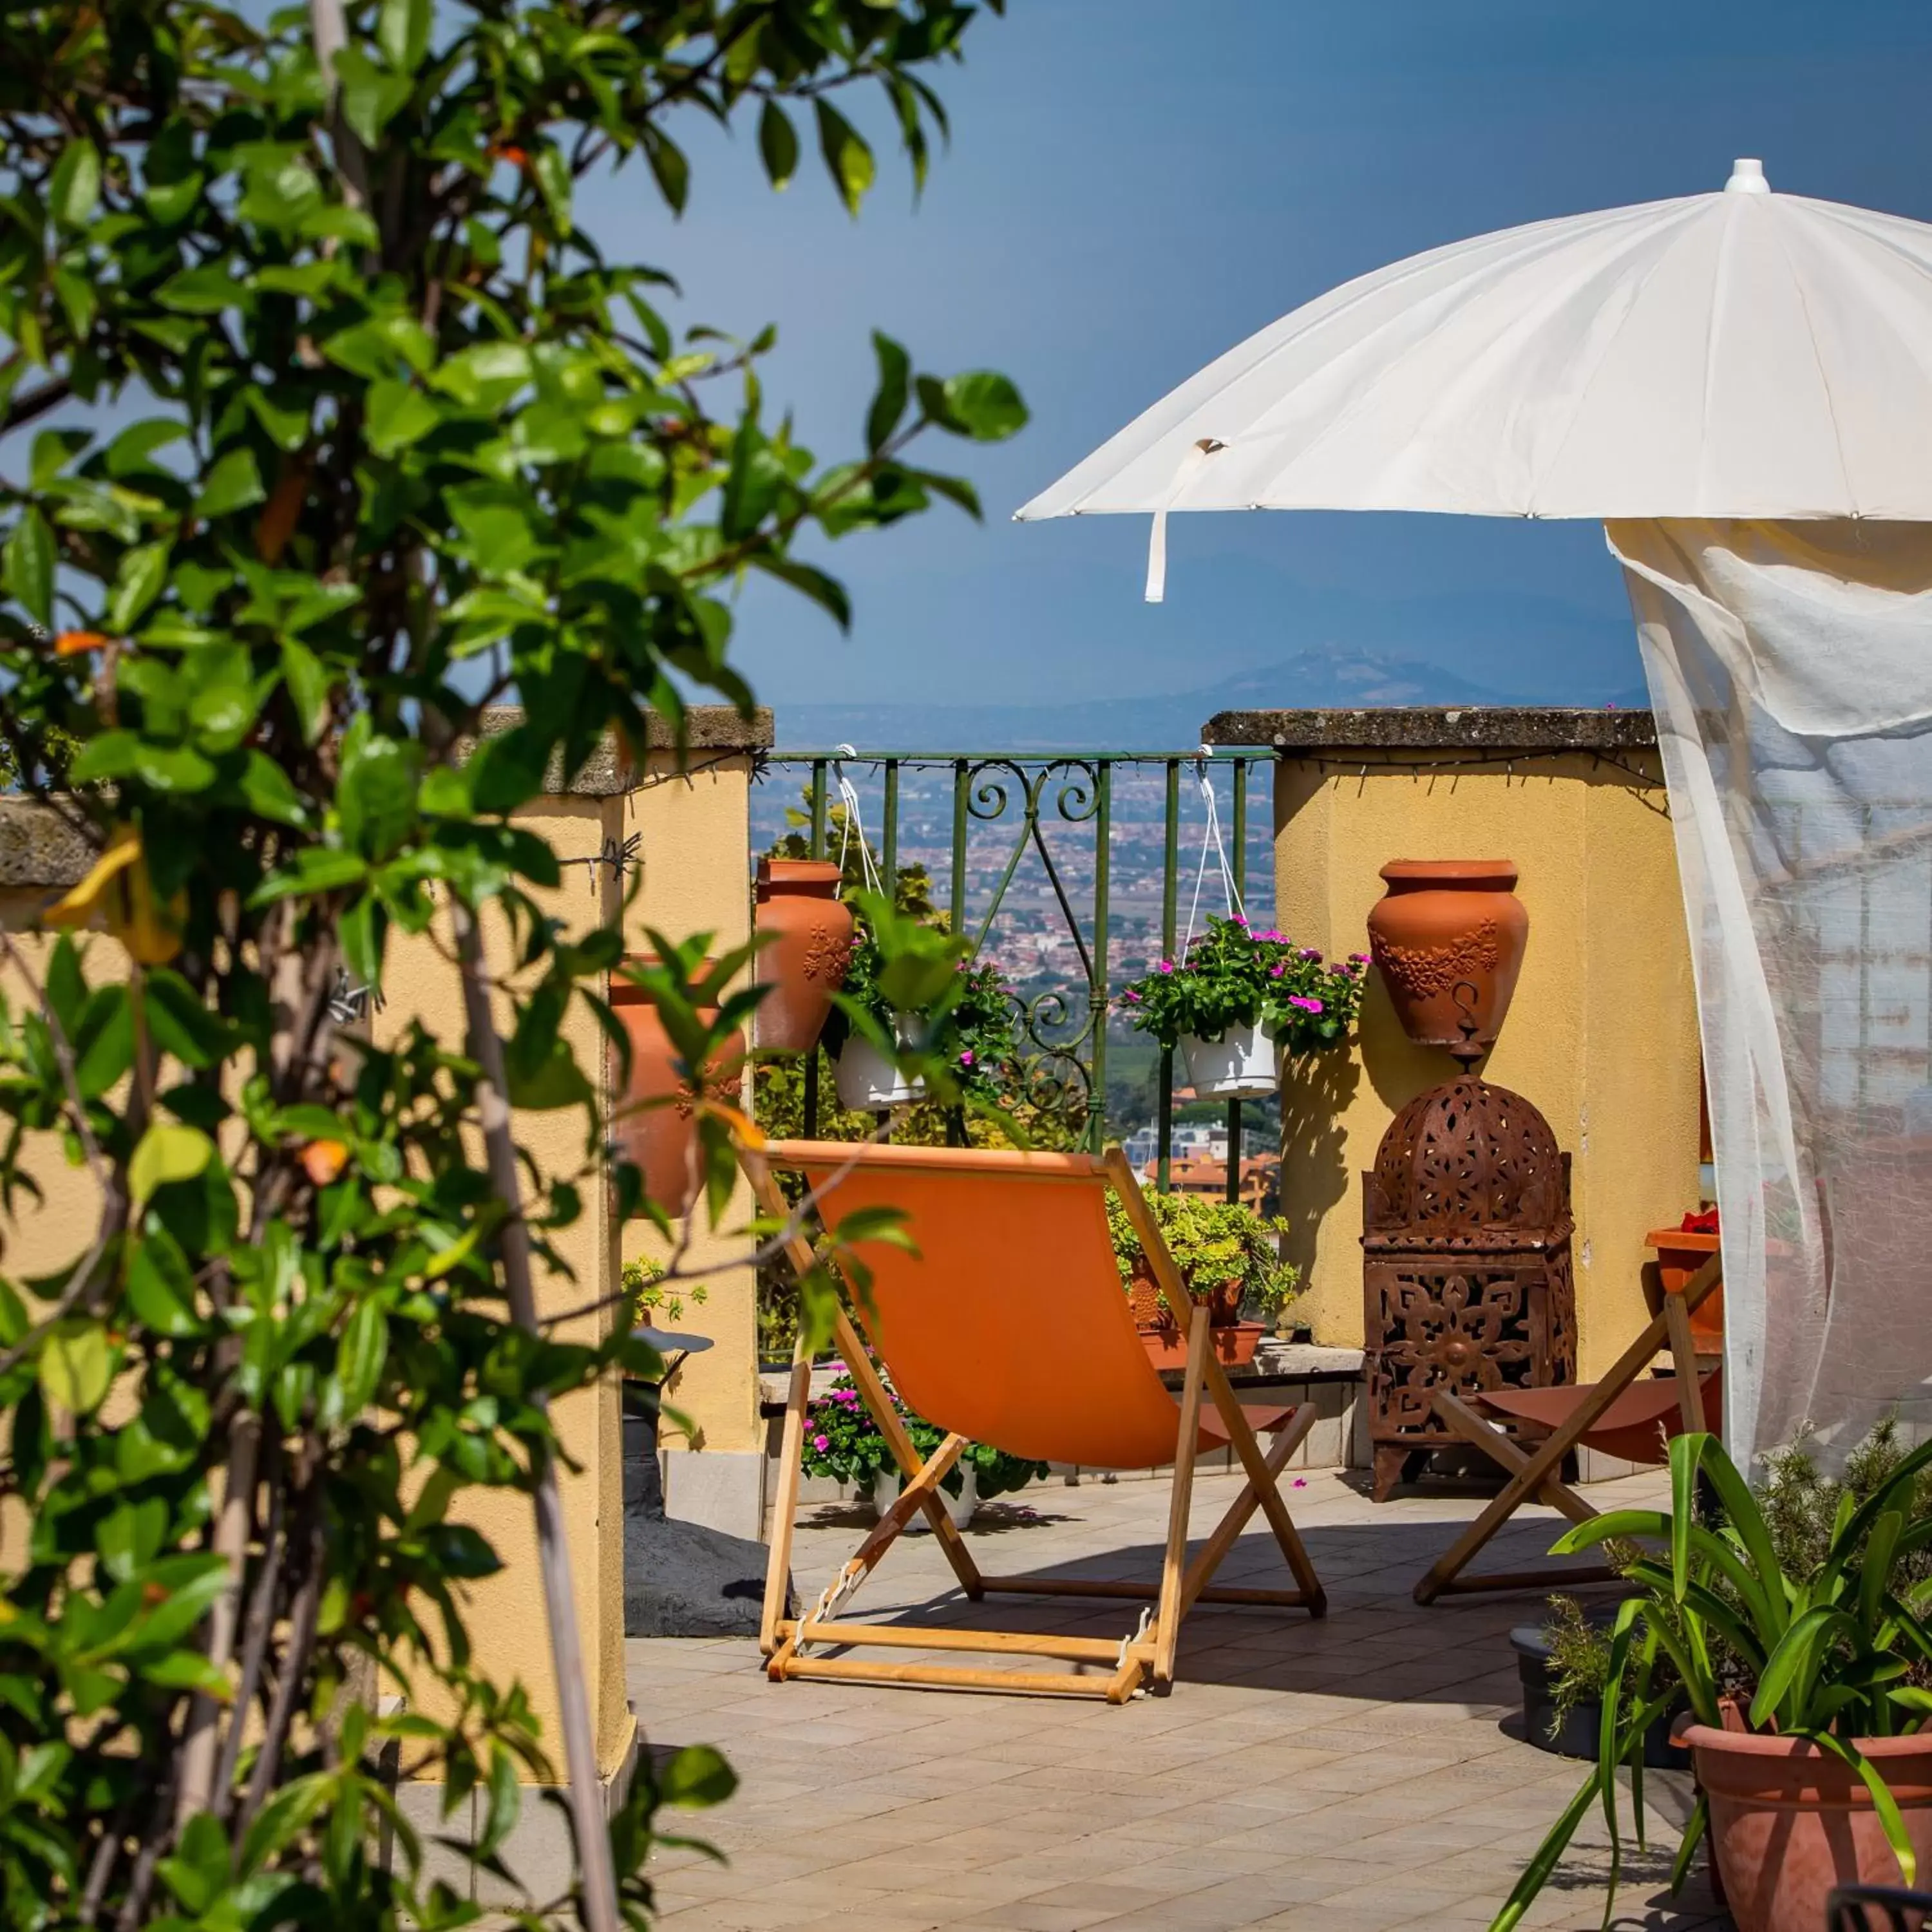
(1623, 1416)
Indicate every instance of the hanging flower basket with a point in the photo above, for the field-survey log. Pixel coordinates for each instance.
(867, 1080)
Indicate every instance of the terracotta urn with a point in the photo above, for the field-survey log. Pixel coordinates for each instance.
(806, 931)
(1789, 1821)
(662, 1141)
(1447, 937)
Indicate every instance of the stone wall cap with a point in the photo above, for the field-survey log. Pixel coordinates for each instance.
(607, 772)
(38, 847)
(1492, 727)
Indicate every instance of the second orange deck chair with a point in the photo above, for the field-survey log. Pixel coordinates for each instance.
(1006, 1324)
(1625, 1415)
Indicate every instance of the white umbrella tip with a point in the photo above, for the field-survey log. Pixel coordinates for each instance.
(1746, 178)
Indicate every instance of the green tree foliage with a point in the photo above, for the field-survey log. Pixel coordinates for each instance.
(328, 425)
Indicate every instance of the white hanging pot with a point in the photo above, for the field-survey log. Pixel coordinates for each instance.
(868, 1081)
(1239, 1066)
(960, 1508)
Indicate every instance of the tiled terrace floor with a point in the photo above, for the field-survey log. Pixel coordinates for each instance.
(1356, 1775)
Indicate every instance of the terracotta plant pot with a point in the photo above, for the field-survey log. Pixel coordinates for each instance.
(1789, 1821)
(1448, 938)
(662, 1141)
(1234, 1340)
(1680, 1254)
(803, 964)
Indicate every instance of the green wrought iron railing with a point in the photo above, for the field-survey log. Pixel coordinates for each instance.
(1041, 799)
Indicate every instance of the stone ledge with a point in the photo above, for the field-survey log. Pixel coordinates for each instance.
(38, 848)
(607, 772)
(1489, 727)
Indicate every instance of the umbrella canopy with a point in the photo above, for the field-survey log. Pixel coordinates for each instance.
(1741, 354)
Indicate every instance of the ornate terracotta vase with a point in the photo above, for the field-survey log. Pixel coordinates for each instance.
(1447, 937)
(661, 1140)
(803, 963)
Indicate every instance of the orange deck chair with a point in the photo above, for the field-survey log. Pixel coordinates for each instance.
(1624, 1415)
(1008, 1326)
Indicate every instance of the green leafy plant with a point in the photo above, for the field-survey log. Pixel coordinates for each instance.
(1231, 976)
(371, 434)
(1829, 1642)
(1213, 1242)
(651, 1301)
(844, 1441)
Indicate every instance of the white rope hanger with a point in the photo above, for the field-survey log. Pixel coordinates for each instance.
(1210, 841)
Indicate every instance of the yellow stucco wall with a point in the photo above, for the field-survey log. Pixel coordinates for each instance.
(1602, 1036)
(696, 836)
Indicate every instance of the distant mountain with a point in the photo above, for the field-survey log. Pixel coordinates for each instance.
(1314, 679)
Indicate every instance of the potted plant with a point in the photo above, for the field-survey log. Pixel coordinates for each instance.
(1239, 1002)
(911, 993)
(842, 1441)
(1228, 1256)
(1794, 1626)
(1564, 1663)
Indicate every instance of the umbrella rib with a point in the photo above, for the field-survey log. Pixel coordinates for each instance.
(1818, 363)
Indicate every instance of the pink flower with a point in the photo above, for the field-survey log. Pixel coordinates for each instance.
(1241, 920)
(1301, 1482)
(1133, 996)
(1275, 972)
(1165, 966)
(1310, 953)
(1306, 1005)
(1358, 958)
(821, 1442)
(966, 1058)
(1278, 938)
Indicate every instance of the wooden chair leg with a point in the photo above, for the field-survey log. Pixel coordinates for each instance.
(1684, 1360)
(1263, 1472)
(778, 1565)
(1310, 1596)
(1167, 1621)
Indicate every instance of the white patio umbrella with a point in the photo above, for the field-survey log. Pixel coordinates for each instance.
(1741, 354)
(1741, 385)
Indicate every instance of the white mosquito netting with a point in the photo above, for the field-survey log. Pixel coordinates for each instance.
(1790, 667)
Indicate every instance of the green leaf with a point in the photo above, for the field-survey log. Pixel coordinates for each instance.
(160, 1287)
(166, 1154)
(198, 1873)
(76, 1367)
(402, 32)
(888, 401)
(180, 1022)
(285, 1814)
(270, 793)
(371, 97)
(29, 567)
(696, 1776)
(309, 685)
(130, 1536)
(552, 174)
(559, 1081)
(376, 797)
(983, 405)
(137, 583)
(669, 166)
(359, 1357)
(778, 145)
(399, 414)
(312, 869)
(206, 290)
(233, 483)
(506, 1800)
(361, 930)
(847, 158)
(103, 1041)
(74, 190)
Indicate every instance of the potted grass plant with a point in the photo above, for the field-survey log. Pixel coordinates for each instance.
(1238, 1002)
(1228, 1257)
(1798, 1638)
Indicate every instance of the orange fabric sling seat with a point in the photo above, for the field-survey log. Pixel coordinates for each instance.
(997, 1312)
(1637, 1426)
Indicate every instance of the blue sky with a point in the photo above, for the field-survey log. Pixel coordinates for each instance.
(1135, 185)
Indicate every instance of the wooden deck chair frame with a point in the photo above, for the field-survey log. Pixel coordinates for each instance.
(1537, 1473)
(1141, 1656)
